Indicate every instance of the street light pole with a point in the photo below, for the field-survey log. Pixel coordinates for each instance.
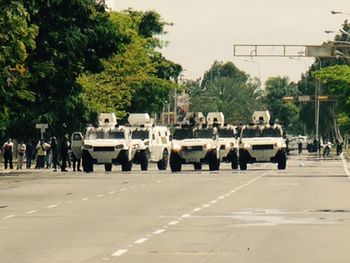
(317, 107)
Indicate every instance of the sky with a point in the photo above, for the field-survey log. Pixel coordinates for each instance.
(205, 30)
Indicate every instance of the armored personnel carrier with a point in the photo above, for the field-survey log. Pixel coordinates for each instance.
(262, 141)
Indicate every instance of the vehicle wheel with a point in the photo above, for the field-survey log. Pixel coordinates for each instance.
(243, 166)
(175, 164)
(108, 167)
(126, 166)
(87, 162)
(214, 162)
(144, 161)
(197, 166)
(163, 164)
(234, 163)
(282, 161)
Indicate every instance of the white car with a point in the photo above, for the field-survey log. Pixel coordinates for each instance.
(107, 144)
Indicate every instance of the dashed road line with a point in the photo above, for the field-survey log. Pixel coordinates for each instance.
(119, 252)
(172, 223)
(85, 198)
(159, 231)
(99, 196)
(141, 240)
(31, 211)
(9, 216)
(52, 206)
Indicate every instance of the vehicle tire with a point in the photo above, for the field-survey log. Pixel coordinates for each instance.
(126, 166)
(282, 161)
(144, 161)
(163, 163)
(234, 162)
(197, 166)
(175, 163)
(214, 162)
(87, 162)
(243, 166)
(108, 167)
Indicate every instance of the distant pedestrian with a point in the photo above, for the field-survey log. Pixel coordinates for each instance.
(64, 154)
(29, 154)
(54, 153)
(41, 153)
(300, 144)
(48, 156)
(7, 150)
(21, 150)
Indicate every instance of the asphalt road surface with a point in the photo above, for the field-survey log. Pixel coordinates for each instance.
(298, 215)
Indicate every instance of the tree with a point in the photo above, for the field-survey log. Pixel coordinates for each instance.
(68, 44)
(285, 112)
(137, 79)
(227, 89)
(17, 39)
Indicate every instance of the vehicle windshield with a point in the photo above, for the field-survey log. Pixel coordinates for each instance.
(250, 133)
(266, 132)
(226, 133)
(181, 134)
(141, 135)
(116, 135)
(92, 135)
(204, 133)
(271, 132)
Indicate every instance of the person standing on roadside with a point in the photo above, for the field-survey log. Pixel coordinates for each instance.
(64, 153)
(48, 156)
(7, 150)
(54, 153)
(41, 153)
(29, 154)
(21, 150)
(300, 144)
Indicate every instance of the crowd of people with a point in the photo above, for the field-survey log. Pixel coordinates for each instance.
(49, 154)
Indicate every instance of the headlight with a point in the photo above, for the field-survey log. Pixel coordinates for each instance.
(208, 146)
(176, 147)
(88, 147)
(280, 145)
(136, 146)
(247, 145)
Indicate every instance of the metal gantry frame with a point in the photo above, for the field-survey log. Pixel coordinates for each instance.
(299, 51)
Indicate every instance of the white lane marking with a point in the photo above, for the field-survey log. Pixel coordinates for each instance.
(206, 205)
(345, 165)
(197, 209)
(99, 196)
(141, 240)
(9, 216)
(186, 215)
(221, 197)
(213, 202)
(52, 206)
(112, 192)
(119, 252)
(172, 223)
(31, 211)
(85, 198)
(159, 231)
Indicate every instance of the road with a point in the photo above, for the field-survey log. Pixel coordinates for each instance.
(299, 215)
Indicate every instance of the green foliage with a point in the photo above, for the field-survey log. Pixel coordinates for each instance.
(138, 78)
(16, 40)
(337, 80)
(286, 113)
(227, 89)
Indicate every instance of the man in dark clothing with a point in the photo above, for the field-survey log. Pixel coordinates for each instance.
(7, 151)
(64, 153)
(54, 152)
(29, 154)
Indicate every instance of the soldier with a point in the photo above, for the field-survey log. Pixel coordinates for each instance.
(64, 154)
(7, 150)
